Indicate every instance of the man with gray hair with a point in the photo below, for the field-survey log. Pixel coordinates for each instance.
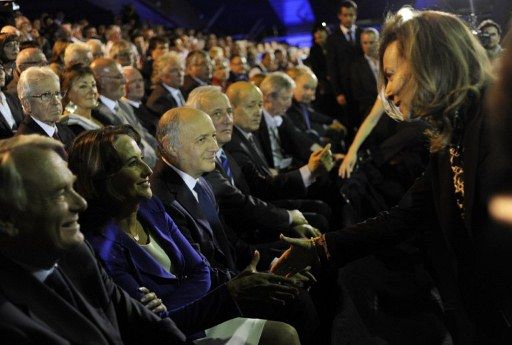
(77, 53)
(40, 96)
(112, 110)
(97, 48)
(282, 143)
(167, 79)
(26, 58)
(52, 289)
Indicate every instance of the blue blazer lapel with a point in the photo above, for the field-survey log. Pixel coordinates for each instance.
(142, 260)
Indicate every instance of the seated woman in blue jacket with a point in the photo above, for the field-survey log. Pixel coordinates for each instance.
(143, 250)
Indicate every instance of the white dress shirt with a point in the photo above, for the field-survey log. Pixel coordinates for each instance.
(352, 31)
(48, 129)
(190, 182)
(6, 111)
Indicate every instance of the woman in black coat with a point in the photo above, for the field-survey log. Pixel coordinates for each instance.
(435, 69)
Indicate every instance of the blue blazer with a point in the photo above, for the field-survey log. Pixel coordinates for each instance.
(185, 292)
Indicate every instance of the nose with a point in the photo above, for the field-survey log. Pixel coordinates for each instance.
(147, 171)
(77, 203)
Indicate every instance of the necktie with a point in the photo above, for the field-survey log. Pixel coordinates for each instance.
(56, 135)
(258, 151)
(349, 37)
(56, 282)
(181, 101)
(206, 204)
(224, 163)
(305, 115)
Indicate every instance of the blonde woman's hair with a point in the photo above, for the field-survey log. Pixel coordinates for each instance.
(447, 65)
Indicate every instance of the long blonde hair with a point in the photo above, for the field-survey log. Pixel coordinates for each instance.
(447, 62)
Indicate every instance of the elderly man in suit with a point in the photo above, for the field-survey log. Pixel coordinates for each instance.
(112, 110)
(187, 140)
(39, 92)
(243, 211)
(11, 112)
(52, 290)
(168, 74)
(198, 71)
(134, 93)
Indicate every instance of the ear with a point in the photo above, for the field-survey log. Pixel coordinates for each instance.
(25, 104)
(7, 228)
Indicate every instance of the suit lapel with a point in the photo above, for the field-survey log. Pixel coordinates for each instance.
(43, 303)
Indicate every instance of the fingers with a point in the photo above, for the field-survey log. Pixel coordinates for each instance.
(294, 241)
(144, 290)
(254, 262)
(160, 309)
(148, 297)
(154, 303)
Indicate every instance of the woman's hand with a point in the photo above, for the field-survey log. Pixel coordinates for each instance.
(151, 301)
(348, 164)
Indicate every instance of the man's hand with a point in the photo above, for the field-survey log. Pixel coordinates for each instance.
(253, 287)
(338, 127)
(341, 99)
(300, 255)
(306, 231)
(151, 301)
(321, 160)
(297, 217)
(304, 279)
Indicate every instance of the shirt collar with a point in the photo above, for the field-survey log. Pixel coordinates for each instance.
(246, 134)
(49, 129)
(111, 104)
(133, 103)
(345, 30)
(2, 97)
(274, 121)
(189, 180)
(171, 89)
(199, 81)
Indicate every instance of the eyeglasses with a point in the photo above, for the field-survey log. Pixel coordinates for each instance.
(48, 96)
(12, 44)
(117, 77)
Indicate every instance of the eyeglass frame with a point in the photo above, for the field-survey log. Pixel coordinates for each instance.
(51, 95)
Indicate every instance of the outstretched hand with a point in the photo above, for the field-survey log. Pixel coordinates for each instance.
(253, 287)
(300, 255)
(306, 231)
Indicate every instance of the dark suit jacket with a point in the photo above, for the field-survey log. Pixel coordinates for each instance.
(180, 204)
(189, 84)
(17, 113)
(244, 212)
(294, 142)
(340, 55)
(32, 313)
(363, 86)
(252, 178)
(316, 120)
(185, 291)
(454, 246)
(148, 119)
(29, 126)
(160, 100)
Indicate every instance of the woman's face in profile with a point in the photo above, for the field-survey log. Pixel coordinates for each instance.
(131, 182)
(399, 86)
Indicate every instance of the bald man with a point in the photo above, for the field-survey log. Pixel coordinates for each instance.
(134, 93)
(112, 110)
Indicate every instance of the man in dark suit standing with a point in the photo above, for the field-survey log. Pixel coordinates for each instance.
(134, 93)
(52, 290)
(39, 92)
(343, 48)
(167, 79)
(198, 71)
(11, 113)
(364, 73)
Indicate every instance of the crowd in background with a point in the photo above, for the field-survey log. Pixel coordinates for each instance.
(248, 192)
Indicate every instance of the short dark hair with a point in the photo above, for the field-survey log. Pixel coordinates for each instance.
(69, 75)
(347, 4)
(489, 22)
(154, 41)
(234, 56)
(93, 159)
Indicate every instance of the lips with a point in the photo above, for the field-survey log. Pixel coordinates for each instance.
(145, 183)
(71, 225)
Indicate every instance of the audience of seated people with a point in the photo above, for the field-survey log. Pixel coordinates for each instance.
(222, 243)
